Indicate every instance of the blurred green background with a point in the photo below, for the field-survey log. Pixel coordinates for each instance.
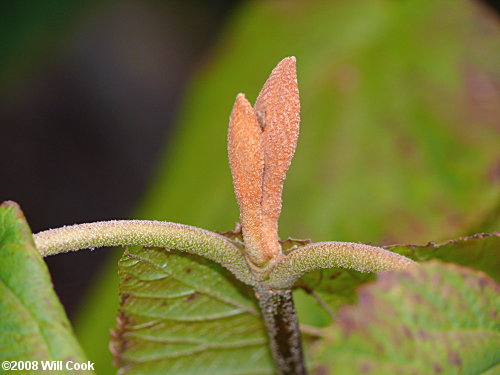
(120, 109)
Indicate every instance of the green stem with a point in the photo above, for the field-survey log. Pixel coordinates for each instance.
(149, 234)
(318, 255)
(282, 325)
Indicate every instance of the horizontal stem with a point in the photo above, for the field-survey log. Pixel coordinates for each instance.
(149, 234)
(318, 255)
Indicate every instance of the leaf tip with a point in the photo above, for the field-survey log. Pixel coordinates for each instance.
(9, 203)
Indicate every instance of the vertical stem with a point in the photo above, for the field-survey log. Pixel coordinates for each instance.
(283, 329)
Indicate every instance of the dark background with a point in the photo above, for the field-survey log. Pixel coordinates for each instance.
(88, 99)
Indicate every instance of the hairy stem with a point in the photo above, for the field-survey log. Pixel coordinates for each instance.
(349, 255)
(145, 233)
(282, 325)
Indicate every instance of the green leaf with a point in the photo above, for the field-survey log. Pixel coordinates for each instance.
(33, 324)
(335, 287)
(320, 293)
(184, 314)
(480, 251)
(434, 319)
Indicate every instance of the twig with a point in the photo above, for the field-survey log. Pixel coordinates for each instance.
(283, 329)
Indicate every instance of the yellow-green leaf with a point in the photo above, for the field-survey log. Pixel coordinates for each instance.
(33, 324)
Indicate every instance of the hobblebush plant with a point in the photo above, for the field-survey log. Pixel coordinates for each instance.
(193, 301)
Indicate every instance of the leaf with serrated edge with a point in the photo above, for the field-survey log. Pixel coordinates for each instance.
(182, 314)
(335, 287)
(435, 319)
(33, 325)
(480, 251)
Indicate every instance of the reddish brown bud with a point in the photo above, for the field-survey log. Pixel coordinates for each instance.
(246, 159)
(278, 111)
(261, 144)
